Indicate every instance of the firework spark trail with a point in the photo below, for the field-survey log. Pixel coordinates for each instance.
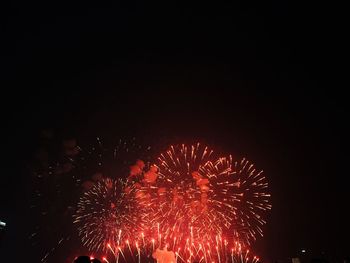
(208, 254)
(184, 207)
(191, 201)
(106, 214)
(201, 196)
(58, 181)
(254, 201)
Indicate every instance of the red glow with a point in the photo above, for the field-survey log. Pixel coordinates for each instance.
(188, 198)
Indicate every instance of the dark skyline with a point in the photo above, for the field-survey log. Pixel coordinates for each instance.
(250, 79)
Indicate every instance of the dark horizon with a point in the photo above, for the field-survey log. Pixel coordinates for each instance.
(245, 79)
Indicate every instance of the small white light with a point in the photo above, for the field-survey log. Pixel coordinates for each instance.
(2, 224)
(303, 251)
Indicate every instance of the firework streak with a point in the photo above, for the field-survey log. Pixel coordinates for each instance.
(190, 205)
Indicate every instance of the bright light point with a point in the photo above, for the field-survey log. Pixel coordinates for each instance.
(303, 251)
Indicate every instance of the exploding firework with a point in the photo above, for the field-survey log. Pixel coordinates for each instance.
(59, 178)
(107, 215)
(254, 201)
(204, 197)
(190, 203)
(192, 208)
(244, 190)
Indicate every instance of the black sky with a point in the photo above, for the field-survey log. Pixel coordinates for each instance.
(249, 78)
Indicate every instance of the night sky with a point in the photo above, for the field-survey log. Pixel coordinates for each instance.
(251, 79)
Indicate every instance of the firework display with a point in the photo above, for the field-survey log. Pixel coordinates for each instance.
(106, 214)
(194, 207)
(244, 188)
(187, 204)
(144, 251)
(61, 179)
